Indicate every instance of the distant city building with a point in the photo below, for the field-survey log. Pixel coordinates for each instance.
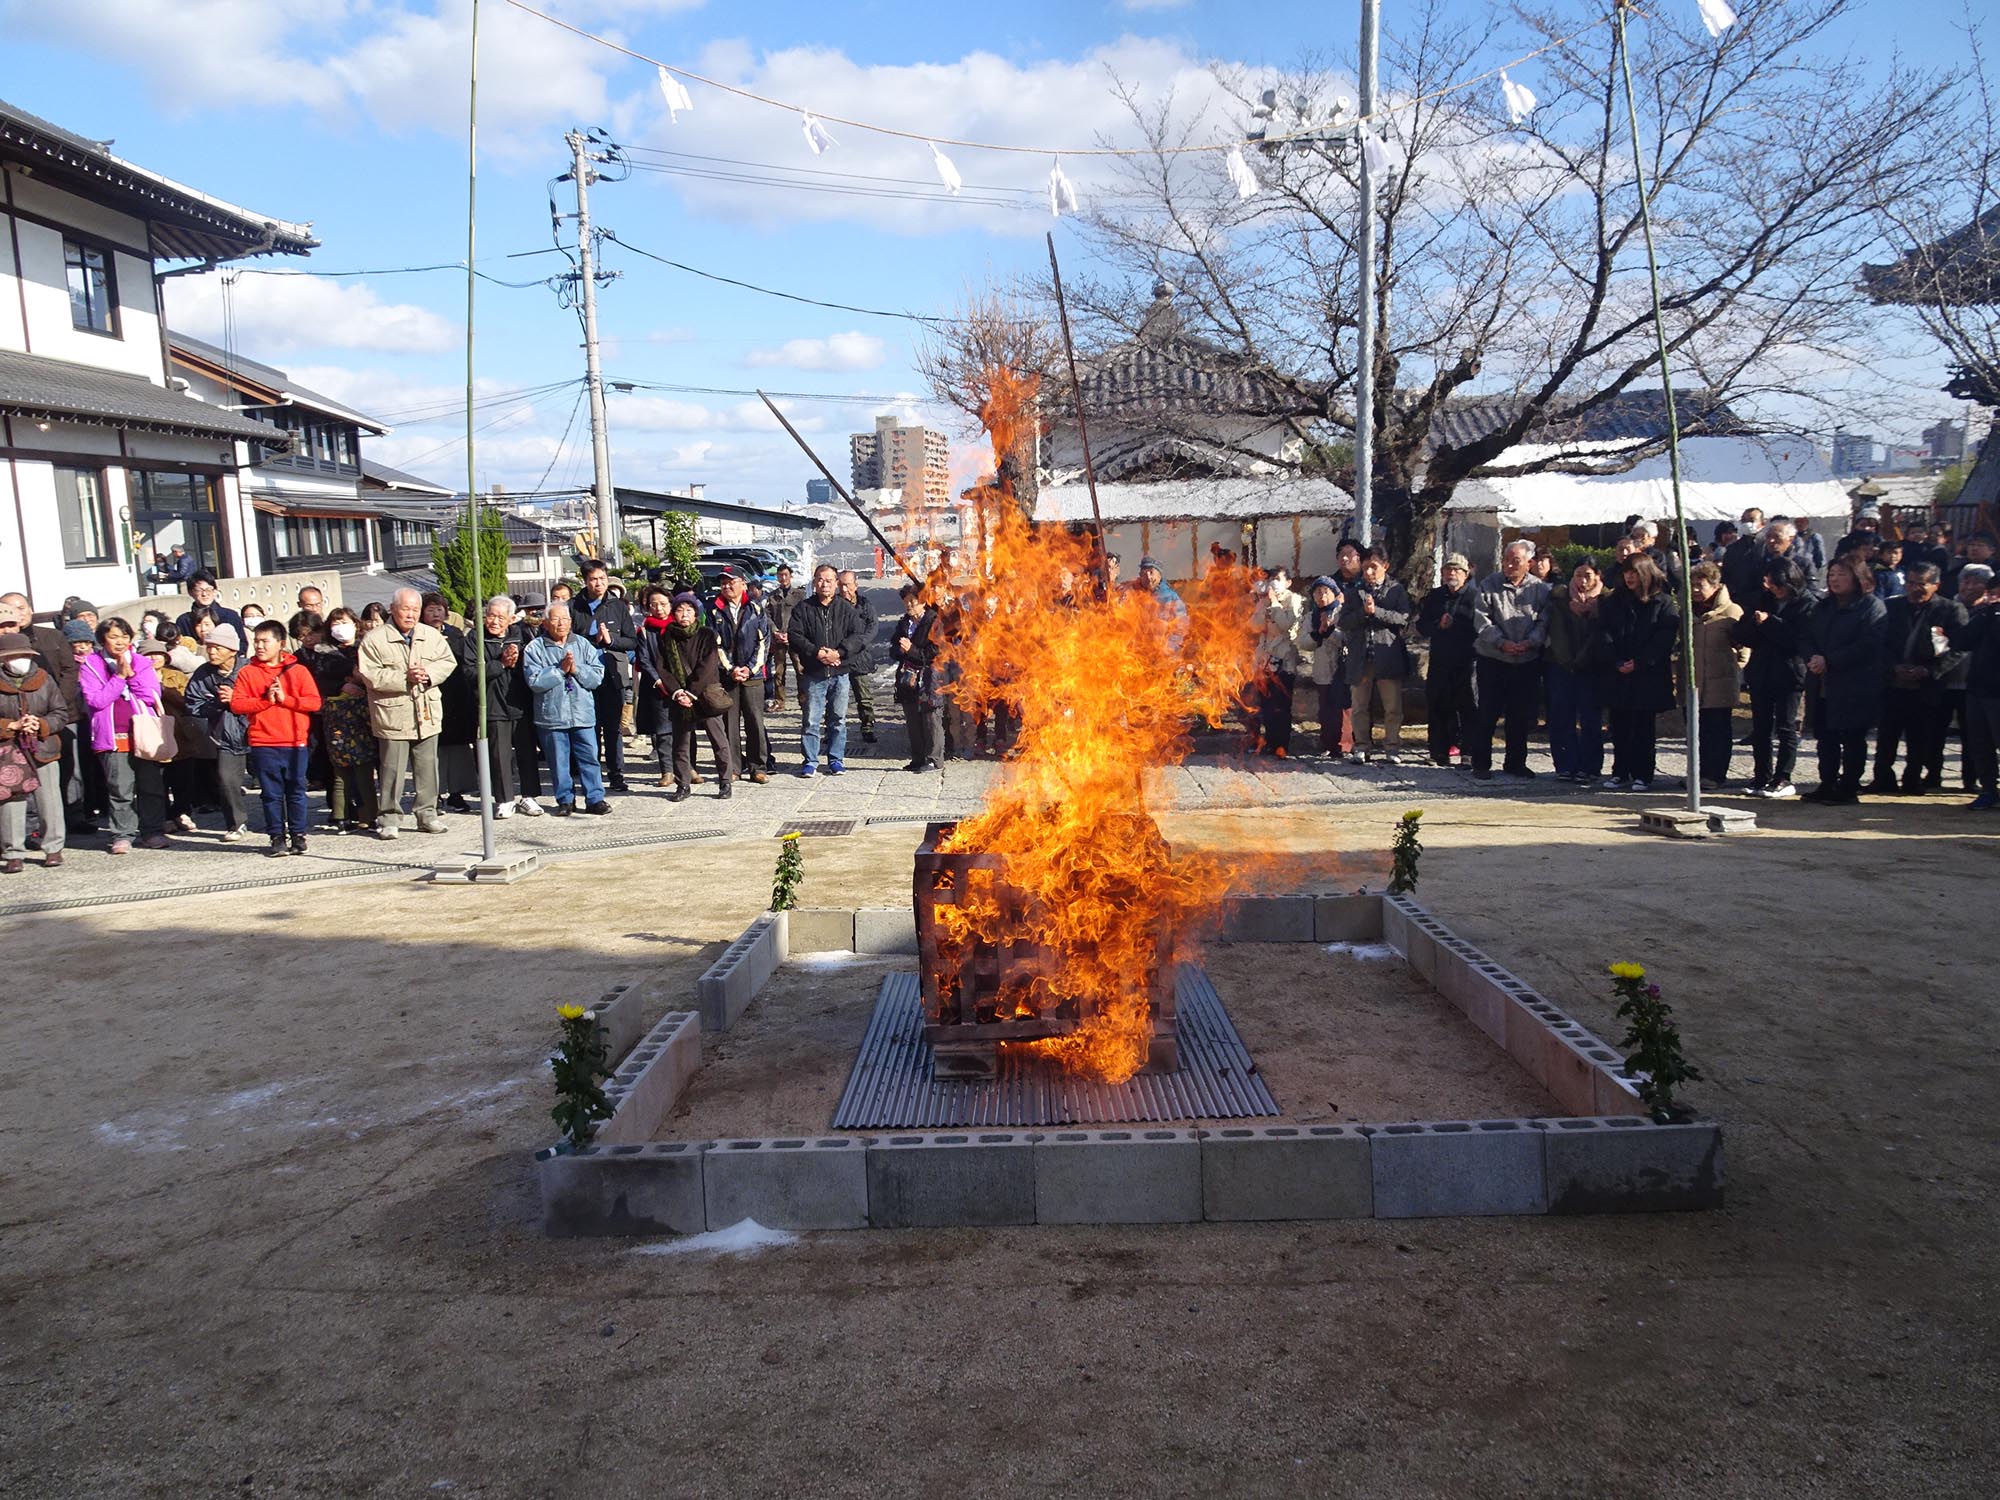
(1946, 441)
(819, 492)
(896, 457)
(1853, 453)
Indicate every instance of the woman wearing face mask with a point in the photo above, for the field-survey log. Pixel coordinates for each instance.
(149, 625)
(350, 742)
(33, 715)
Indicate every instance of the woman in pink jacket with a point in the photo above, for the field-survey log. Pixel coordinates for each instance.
(118, 683)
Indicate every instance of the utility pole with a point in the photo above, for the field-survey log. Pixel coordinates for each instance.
(1364, 384)
(600, 437)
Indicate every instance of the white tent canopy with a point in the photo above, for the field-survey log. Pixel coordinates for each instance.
(1721, 477)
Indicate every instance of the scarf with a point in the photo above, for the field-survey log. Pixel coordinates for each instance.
(1580, 601)
(679, 636)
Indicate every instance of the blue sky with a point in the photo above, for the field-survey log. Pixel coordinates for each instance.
(350, 113)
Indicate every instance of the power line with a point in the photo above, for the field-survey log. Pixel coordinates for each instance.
(750, 286)
(861, 398)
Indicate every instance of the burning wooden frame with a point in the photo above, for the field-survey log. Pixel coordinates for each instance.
(979, 994)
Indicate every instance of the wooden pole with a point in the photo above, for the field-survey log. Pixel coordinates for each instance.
(840, 489)
(1082, 427)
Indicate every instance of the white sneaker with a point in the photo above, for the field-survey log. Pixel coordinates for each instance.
(386, 831)
(1640, 786)
(527, 807)
(504, 810)
(1784, 791)
(234, 835)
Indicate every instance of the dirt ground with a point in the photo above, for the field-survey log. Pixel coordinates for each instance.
(269, 1225)
(1339, 1040)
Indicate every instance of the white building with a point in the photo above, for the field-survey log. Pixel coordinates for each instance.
(108, 465)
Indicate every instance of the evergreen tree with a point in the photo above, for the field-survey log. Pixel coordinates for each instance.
(451, 561)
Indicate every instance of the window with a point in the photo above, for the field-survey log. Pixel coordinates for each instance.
(93, 299)
(85, 520)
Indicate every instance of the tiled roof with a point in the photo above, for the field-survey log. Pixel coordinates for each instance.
(267, 378)
(395, 479)
(39, 388)
(1960, 270)
(185, 224)
(1630, 416)
(1178, 374)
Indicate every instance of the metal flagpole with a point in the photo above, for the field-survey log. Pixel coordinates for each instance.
(478, 622)
(1364, 385)
(1693, 705)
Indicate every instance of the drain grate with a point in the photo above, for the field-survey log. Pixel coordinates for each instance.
(942, 815)
(820, 828)
(891, 1087)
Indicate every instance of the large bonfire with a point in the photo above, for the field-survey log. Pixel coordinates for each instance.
(1104, 689)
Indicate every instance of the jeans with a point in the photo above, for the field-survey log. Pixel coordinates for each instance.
(1774, 725)
(1509, 690)
(137, 791)
(563, 749)
(825, 713)
(48, 799)
(421, 758)
(1576, 723)
(1365, 691)
(281, 780)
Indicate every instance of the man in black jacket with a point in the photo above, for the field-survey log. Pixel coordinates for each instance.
(745, 638)
(606, 622)
(1445, 620)
(1774, 628)
(1372, 619)
(826, 635)
(516, 778)
(778, 607)
(860, 695)
(1921, 637)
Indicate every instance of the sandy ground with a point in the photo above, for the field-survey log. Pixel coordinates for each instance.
(1338, 1040)
(269, 1226)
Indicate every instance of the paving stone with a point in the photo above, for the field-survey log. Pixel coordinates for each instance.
(793, 1182)
(1457, 1168)
(819, 929)
(1623, 1165)
(1118, 1177)
(650, 1188)
(1267, 919)
(1286, 1172)
(1347, 919)
(955, 1177)
(885, 929)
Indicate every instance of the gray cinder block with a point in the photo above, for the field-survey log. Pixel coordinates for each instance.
(1286, 1172)
(1268, 919)
(1623, 1165)
(652, 1080)
(819, 929)
(654, 1188)
(742, 970)
(1134, 1176)
(1396, 923)
(1347, 919)
(1613, 1093)
(1453, 1168)
(885, 929)
(788, 1183)
(618, 1021)
(957, 1177)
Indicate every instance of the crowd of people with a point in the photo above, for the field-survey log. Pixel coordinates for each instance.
(1889, 636)
(139, 729)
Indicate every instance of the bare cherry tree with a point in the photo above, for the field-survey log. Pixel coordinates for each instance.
(1510, 258)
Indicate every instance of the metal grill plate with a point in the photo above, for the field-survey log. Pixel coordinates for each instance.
(820, 828)
(891, 1087)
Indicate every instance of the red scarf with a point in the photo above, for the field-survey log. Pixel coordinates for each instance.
(654, 622)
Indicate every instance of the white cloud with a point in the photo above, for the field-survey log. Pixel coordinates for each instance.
(274, 314)
(840, 351)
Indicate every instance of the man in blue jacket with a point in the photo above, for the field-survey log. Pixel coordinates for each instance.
(564, 672)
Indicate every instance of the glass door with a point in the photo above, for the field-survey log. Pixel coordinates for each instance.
(169, 510)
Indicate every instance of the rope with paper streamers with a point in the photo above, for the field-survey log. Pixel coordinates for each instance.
(1716, 16)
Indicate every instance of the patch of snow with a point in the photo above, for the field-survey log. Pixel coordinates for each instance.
(832, 958)
(247, 1098)
(1364, 951)
(745, 1237)
(163, 1136)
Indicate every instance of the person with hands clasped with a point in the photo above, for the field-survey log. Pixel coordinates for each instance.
(275, 692)
(564, 671)
(682, 689)
(401, 664)
(33, 715)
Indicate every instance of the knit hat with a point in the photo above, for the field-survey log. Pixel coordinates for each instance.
(76, 630)
(1149, 561)
(76, 605)
(224, 635)
(147, 646)
(1457, 560)
(688, 597)
(13, 643)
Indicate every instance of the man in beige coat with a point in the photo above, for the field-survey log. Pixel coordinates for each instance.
(402, 663)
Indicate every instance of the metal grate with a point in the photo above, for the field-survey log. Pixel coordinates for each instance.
(891, 1087)
(820, 828)
(942, 815)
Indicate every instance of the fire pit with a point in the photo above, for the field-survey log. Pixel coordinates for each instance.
(987, 982)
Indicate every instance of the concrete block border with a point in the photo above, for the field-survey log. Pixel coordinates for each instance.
(618, 1023)
(1605, 1156)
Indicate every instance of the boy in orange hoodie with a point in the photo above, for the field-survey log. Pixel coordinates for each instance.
(279, 697)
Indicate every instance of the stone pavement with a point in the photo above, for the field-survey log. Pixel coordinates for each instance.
(874, 789)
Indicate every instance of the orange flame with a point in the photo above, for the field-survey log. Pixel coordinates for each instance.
(1104, 692)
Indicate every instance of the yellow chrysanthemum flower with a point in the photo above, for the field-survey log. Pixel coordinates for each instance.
(1413, 814)
(1628, 971)
(570, 1012)
(791, 837)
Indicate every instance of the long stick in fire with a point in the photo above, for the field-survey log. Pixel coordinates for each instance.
(841, 490)
(1082, 430)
